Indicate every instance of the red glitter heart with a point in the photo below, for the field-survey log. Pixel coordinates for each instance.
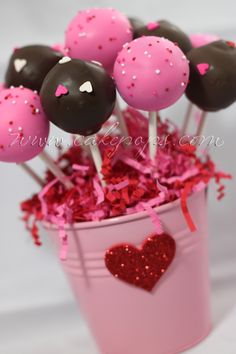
(142, 268)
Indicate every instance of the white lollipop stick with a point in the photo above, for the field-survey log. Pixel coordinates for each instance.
(152, 133)
(121, 120)
(56, 171)
(187, 118)
(202, 123)
(32, 174)
(97, 158)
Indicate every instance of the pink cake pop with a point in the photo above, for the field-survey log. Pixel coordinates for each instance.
(201, 39)
(98, 34)
(22, 122)
(151, 73)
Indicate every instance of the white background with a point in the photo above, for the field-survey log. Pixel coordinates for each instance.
(37, 311)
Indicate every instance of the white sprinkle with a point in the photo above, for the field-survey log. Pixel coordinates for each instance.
(21, 86)
(146, 52)
(82, 34)
(184, 57)
(129, 51)
(134, 77)
(36, 92)
(158, 71)
(149, 56)
(125, 45)
(123, 72)
(11, 87)
(10, 130)
(65, 60)
(26, 102)
(171, 64)
(182, 84)
(37, 110)
(122, 64)
(13, 102)
(20, 128)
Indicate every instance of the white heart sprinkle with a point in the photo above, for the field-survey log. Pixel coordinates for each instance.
(86, 87)
(64, 60)
(96, 62)
(20, 64)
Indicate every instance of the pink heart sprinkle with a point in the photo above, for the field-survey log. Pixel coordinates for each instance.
(203, 68)
(61, 90)
(152, 25)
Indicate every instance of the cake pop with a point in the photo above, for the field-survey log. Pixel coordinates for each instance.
(201, 39)
(136, 24)
(24, 129)
(151, 74)
(98, 34)
(197, 40)
(22, 122)
(212, 83)
(29, 65)
(166, 29)
(79, 97)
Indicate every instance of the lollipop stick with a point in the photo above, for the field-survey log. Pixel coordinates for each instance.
(152, 135)
(201, 123)
(187, 119)
(97, 158)
(56, 171)
(32, 174)
(121, 120)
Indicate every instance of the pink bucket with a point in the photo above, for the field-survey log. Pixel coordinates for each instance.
(125, 319)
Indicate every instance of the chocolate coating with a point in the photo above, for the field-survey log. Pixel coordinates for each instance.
(169, 31)
(88, 100)
(216, 89)
(29, 65)
(136, 25)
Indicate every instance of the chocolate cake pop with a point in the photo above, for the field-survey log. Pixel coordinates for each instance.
(136, 24)
(24, 127)
(212, 83)
(98, 34)
(29, 65)
(78, 96)
(166, 29)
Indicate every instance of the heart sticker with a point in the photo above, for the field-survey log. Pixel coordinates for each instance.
(203, 68)
(65, 60)
(61, 90)
(141, 267)
(19, 64)
(86, 87)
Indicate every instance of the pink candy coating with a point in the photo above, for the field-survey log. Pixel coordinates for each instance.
(201, 39)
(24, 127)
(151, 73)
(98, 34)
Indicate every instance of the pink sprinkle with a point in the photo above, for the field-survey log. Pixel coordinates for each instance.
(152, 26)
(203, 68)
(61, 90)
